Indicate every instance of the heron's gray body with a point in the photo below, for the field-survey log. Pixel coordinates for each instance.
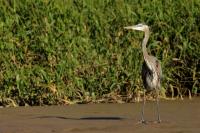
(151, 78)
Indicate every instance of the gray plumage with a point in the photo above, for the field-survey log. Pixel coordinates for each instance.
(151, 78)
(151, 70)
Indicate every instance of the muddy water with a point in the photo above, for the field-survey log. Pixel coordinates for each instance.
(181, 116)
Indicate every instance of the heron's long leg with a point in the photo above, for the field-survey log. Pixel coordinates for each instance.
(157, 102)
(144, 100)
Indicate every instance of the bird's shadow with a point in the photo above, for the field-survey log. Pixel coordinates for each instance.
(83, 118)
(96, 118)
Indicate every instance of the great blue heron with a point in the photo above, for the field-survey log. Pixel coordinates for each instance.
(151, 70)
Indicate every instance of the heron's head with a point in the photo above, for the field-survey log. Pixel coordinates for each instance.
(140, 27)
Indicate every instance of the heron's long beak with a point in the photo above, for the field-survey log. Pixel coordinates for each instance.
(135, 27)
(129, 27)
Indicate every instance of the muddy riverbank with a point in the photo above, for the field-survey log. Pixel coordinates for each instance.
(180, 116)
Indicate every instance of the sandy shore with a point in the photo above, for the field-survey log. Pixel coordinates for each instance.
(181, 116)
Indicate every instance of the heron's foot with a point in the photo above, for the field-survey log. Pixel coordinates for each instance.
(142, 122)
(157, 122)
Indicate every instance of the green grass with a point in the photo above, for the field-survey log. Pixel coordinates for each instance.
(61, 51)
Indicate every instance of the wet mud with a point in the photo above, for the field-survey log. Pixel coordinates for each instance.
(180, 116)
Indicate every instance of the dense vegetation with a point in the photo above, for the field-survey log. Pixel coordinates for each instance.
(65, 51)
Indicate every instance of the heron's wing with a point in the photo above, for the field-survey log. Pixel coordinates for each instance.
(158, 70)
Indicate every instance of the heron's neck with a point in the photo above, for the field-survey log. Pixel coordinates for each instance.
(144, 43)
(144, 49)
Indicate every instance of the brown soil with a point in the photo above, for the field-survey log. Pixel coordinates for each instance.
(180, 116)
